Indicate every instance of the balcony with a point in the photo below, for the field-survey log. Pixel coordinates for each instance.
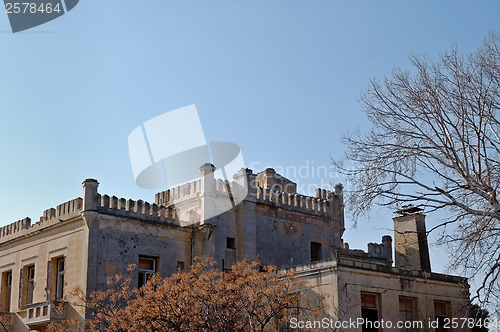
(40, 314)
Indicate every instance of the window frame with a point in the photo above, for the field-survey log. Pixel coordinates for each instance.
(6, 290)
(413, 311)
(59, 278)
(145, 274)
(365, 308)
(30, 283)
(440, 318)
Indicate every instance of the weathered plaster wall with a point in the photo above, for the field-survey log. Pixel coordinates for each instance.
(342, 286)
(68, 239)
(117, 242)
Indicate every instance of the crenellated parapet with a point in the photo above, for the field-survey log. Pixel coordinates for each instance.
(271, 188)
(191, 202)
(184, 192)
(378, 251)
(69, 209)
(50, 217)
(192, 191)
(135, 209)
(223, 187)
(297, 202)
(14, 228)
(64, 211)
(326, 203)
(126, 208)
(93, 201)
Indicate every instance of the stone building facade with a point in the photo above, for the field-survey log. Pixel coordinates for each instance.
(80, 243)
(404, 296)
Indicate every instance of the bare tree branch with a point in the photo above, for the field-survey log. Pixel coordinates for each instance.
(435, 142)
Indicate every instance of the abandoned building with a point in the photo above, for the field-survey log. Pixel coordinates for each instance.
(83, 241)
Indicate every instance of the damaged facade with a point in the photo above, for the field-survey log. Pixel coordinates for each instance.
(82, 242)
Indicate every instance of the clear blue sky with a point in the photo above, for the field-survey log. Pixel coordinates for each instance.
(279, 78)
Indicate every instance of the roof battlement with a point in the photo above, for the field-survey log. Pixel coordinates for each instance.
(183, 192)
(166, 211)
(113, 205)
(272, 188)
(50, 217)
(269, 188)
(297, 202)
(136, 209)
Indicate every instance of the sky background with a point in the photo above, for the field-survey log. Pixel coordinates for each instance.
(281, 79)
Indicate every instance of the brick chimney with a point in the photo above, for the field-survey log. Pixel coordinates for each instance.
(410, 240)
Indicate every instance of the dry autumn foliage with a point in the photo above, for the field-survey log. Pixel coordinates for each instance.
(201, 299)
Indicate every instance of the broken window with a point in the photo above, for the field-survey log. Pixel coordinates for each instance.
(6, 290)
(315, 251)
(369, 311)
(147, 268)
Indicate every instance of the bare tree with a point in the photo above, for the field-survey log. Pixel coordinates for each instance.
(434, 142)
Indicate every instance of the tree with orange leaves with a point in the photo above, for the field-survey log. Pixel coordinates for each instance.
(247, 298)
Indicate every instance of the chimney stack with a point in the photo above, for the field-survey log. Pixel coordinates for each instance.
(410, 239)
(387, 243)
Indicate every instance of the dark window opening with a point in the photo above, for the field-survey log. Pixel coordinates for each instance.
(315, 251)
(180, 266)
(369, 312)
(231, 243)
